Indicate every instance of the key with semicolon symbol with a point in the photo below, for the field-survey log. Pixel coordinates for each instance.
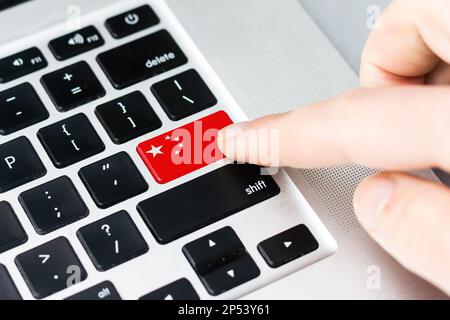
(53, 205)
(184, 150)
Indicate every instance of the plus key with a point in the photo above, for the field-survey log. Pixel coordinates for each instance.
(186, 149)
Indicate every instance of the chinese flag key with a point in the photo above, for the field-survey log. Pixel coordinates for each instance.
(185, 149)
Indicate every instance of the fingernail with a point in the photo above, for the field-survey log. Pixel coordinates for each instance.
(372, 199)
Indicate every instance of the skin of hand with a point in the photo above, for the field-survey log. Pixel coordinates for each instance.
(398, 120)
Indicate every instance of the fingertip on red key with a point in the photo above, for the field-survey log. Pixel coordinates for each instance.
(183, 150)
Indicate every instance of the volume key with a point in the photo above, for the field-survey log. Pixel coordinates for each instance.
(21, 64)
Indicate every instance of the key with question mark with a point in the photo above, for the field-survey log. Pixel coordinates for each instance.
(106, 228)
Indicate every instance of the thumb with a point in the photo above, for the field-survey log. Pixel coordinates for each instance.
(410, 219)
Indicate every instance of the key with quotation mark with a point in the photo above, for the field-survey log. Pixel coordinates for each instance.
(112, 241)
(53, 205)
(50, 268)
(113, 180)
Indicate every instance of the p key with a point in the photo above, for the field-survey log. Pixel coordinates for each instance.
(19, 164)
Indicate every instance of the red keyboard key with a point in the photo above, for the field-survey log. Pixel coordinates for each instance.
(185, 149)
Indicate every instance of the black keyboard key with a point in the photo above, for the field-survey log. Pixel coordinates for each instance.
(102, 291)
(221, 261)
(112, 241)
(141, 59)
(50, 268)
(19, 164)
(213, 250)
(20, 107)
(71, 140)
(113, 180)
(288, 246)
(21, 64)
(8, 290)
(128, 117)
(205, 200)
(72, 86)
(183, 95)
(53, 205)
(179, 290)
(230, 275)
(75, 43)
(131, 21)
(11, 231)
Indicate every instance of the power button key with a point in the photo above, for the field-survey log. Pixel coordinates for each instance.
(132, 21)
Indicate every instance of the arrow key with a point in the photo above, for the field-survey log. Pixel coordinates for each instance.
(230, 275)
(211, 250)
(288, 246)
(179, 290)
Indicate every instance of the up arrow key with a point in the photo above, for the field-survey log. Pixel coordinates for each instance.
(212, 244)
(287, 244)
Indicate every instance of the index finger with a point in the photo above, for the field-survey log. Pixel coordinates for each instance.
(393, 128)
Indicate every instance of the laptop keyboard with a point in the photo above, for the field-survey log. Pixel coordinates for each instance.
(220, 260)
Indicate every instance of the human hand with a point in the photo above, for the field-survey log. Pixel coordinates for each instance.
(398, 121)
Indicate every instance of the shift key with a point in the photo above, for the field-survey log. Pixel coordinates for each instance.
(205, 200)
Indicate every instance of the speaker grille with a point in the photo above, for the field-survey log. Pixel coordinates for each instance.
(335, 188)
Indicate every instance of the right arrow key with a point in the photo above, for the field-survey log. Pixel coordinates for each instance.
(288, 246)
